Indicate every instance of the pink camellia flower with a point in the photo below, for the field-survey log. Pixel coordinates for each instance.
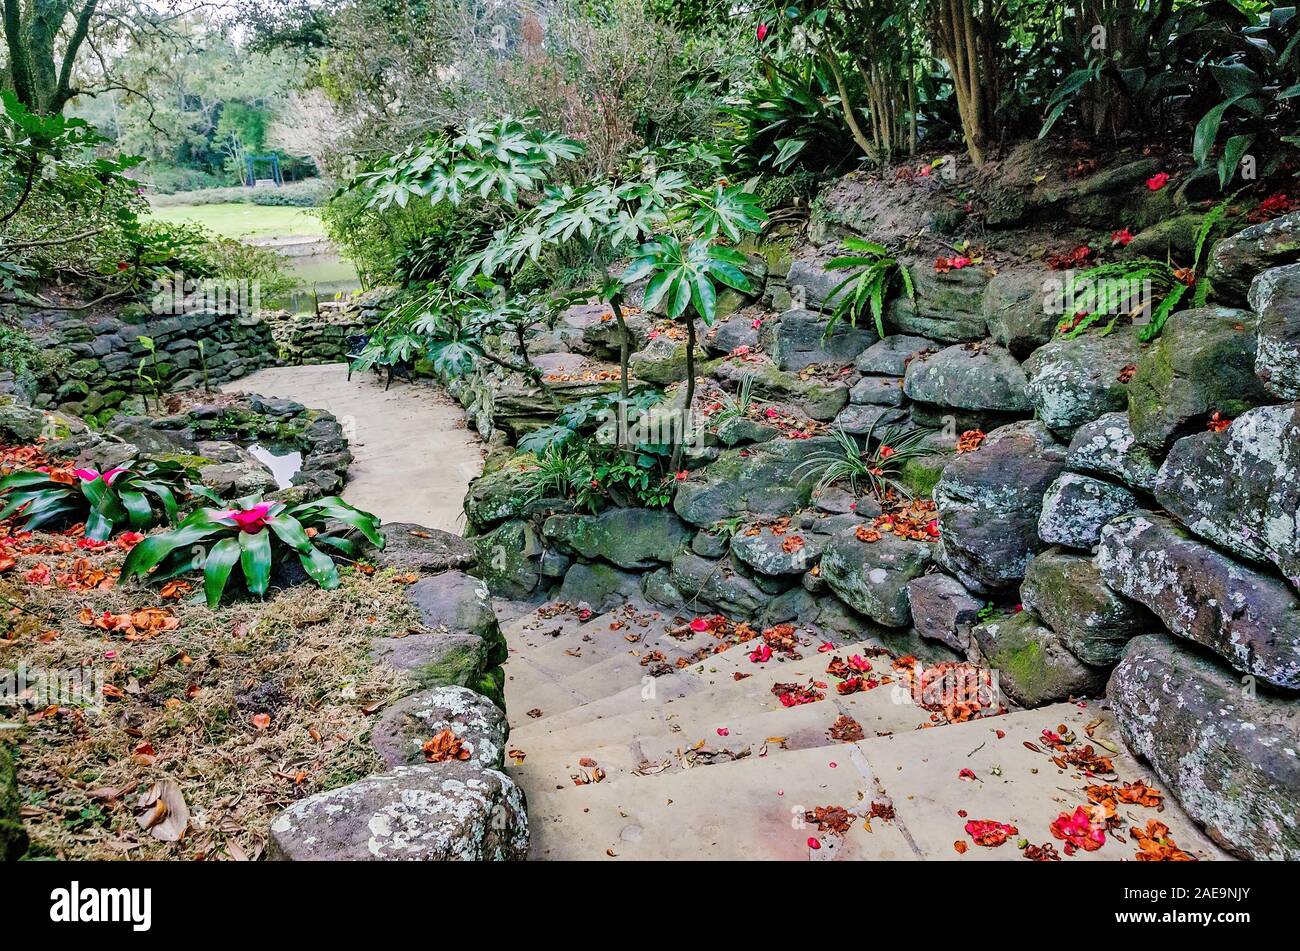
(250, 520)
(762, 32)
(1158, 181)
(723, 731)
(761, 654)
(90, 475)
(1121, 237)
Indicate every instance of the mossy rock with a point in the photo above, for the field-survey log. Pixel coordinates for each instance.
(1034, 667)
(922, 474)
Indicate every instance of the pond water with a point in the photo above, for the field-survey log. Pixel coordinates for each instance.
(320, 276)
(283, 461)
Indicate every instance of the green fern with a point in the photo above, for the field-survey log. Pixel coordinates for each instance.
(872, 283)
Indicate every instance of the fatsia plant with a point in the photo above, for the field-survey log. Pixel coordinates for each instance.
(135, 496)
(254, 536)
(876, 271)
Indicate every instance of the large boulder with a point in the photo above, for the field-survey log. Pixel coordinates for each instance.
(1250, 618)
(891, 355)
(1241, 488)
(727, 336)
(507, 558)
(413, 548)
(1227, 753)
(1067, 592)
(810, 284)
(509, 492)
(1015, 309)
(1032, 663)
(872, 577)
(1275, 296)
(947, 306)
(789, 553)
(1107, 447)
(626, 537)
(820, 399)
(1235, 261)
(762, 480)
(663, 360)
(798, 339)
(1075, 507)
(878, 391)
(1073, 381)
(969, 377)
(601, 587)
(990, 501)
(434, 812)
(717, 584)
(943, 610)
(476, 721)
(20, 423)
(457, 603)
(1203, 363)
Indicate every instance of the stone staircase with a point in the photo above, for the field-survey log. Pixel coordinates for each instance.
(631, 740)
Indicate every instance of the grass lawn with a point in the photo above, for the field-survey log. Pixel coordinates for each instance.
(239, 220)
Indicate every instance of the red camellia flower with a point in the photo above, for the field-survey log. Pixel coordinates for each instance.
(762, 32)
(1158, 181)
(813, 842)
(1080, 830)
(699, 625)
(761, 654)
(1121, 237)
(886, 452)
(683, 476)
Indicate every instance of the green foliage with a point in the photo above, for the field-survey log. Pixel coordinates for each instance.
(255, 537)
(137, 496)
(877, 270)
(1105, 289)
(875, 468)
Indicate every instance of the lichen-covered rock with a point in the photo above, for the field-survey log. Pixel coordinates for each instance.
(457, 603)
(13, 837)
(1106, 447)
(989, 504)
(791, 553)
(947, 306)
(798, 339)
(1074, 381)
(943, 610)
(507, 493)
(890, 355)
(810, 284)
(19, 423)
(819, 399)
(718, 585)
(742, 431)
(1241, 488)
(599, 586)
(1033, 665)
(1227, 752)
(872, 577)
(663, 361)
(507, 559)
(413, 548)
(408, 724)
(859, 420)
(234, 480)
(1067, 592)
(878, 391)
(1075, 507)
(764, 480)
(1236, 260)
(626, 537)
(658, 587)
(440, 658)
(1203, 363)
(1249, 618)
(434, 812)
(1275, 296)
(977, 378)
(1015, 309)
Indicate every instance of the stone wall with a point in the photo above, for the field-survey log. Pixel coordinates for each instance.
(322, 337)
(91, 359)
(1120, 518)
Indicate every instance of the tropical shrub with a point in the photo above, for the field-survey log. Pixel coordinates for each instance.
(254, 537)
(877, 271)
(136, 496)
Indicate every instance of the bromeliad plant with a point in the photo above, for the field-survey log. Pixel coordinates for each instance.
(876, 273)
(875, 467)
(133, 496)
(255, 536)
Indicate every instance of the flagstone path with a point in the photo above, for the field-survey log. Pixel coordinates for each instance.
(413, 457)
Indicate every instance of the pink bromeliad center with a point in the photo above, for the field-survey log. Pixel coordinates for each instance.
(90, 475)
(250, 520)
